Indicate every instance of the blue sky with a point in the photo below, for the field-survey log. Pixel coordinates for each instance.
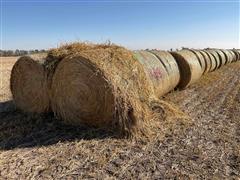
(136, 24)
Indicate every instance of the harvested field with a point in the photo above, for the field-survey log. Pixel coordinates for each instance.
(40, 147)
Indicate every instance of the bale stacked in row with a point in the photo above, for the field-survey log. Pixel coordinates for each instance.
(107, 85)
(28, 85)
(189, 66)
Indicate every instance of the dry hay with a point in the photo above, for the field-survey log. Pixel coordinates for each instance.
(171, 66)
(227, 55)
(157, 71)
(212, 59)
(201, 60)
(208, 61)
(104, 86)
(216, 57)
(28, 85)
(233, 55)
(237, 54)
(189, 66)
(222, 57)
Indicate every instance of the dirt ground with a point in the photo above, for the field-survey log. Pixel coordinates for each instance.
(40, 146)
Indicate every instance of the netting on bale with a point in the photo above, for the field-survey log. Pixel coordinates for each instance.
(221, 56)
(161, 69)
(207, 59)
(237, 54)
(216, 57)
(201, 60)
(189, 66)
(212, 59)
(233, 55)
(171, 66)
(28, 84)
(227, 56)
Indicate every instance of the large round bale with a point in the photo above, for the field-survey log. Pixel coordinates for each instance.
(221, 56)
(233, 55)
(101, 86)
(171, 66)
(237, 54)
(208, 62)
(156, 72)
(201, 60)
(216, 57)
(228, 56)
(212, 59)
(189, 66)
(28, 85)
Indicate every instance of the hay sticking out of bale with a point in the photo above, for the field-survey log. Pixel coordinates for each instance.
(189, 66)
(97, 78)
(104, 86)
(28, 85)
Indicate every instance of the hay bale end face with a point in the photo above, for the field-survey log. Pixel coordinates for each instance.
(81, 93)
(28, 85)
(101, 86)
(189, 66)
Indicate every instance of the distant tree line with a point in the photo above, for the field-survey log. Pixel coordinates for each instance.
(19, 52)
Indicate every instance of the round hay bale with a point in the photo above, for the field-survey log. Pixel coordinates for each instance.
(28, 84)
(237, 54)
(201, 60)
(212, 59)
(227, 56)
(101, 86)
(189, 66)
(222, 57)
(233, 55)
(154, 69)
(171, 66)
(208, 61)
(216, 57)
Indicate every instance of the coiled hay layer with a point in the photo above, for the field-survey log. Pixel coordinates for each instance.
(189, 66)
(28, 85)
(100, 86)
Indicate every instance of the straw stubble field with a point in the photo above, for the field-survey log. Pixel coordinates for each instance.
(39, 146)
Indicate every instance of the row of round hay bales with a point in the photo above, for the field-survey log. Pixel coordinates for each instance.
(107, 85)
(95, 85)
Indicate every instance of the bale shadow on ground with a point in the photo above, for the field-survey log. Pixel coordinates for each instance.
(21, 130)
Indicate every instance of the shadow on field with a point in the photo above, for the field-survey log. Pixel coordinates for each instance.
(21, 130)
